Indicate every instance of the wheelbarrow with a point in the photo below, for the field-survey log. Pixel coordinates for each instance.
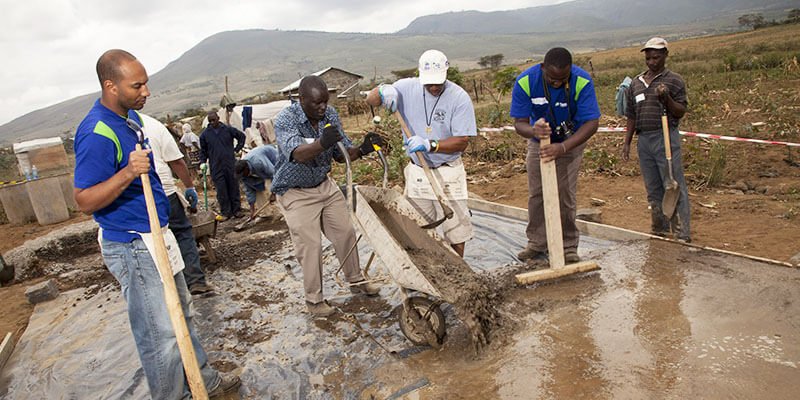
(204, 227)
(394, 230)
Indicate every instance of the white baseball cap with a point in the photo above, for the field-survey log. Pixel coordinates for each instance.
(655, 43)
(433, 67)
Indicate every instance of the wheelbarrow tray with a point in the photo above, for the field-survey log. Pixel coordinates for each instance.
(204, 224)
(416, 258)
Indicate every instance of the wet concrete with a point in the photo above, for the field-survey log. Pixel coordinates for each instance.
(658, 321)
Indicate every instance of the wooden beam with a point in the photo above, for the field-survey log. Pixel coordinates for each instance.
(552, 273)
(552, 211)
(5, 350)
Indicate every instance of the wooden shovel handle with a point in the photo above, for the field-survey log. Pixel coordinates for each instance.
(665, 128)
(188, 356)
(437, 190)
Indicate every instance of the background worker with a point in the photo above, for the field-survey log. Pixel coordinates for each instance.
(311, 203)
(256, 170)
(168, 160)
(108, 186)
(554, 99)
(440, 116)
(219, 144)
(653, 92)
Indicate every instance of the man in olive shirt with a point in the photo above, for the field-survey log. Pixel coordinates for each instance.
(656, 91)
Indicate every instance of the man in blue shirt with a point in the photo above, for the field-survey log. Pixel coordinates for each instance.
(255, 168)
(217, 147)
(554, 99)
(307, 134)
(108, 185)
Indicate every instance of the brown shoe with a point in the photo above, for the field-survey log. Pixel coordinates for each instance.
(200, 288)
(226, 385)
(321, 309)
(571, 256)
(530, 253)
(363, 287)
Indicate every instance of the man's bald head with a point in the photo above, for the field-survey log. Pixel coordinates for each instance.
(313, 97)
(309, 83)
(108, 65)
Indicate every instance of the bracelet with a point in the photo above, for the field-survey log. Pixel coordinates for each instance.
(563, 147)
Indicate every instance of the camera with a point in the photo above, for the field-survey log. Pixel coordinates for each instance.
(564, 130)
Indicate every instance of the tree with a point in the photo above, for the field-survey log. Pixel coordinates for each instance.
(454, 75)
(493, 61)
(504, 80)
(405, 73)
(754, 21)
(794, 16)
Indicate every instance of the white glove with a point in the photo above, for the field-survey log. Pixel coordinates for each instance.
(203, 167)
(388, 97)
(417, 143)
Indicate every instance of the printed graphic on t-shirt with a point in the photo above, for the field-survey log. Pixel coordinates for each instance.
(439, 115)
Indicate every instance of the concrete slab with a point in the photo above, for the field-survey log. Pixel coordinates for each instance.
(660, 320)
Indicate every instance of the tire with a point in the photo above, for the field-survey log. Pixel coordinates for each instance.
(436, 322)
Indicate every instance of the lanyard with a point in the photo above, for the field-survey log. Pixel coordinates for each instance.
(429, 119)
(550, 103)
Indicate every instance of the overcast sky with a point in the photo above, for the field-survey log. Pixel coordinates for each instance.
(50, 47)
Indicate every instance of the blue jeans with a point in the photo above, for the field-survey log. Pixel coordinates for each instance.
(134, 268)
(653, 164)
(182, 229)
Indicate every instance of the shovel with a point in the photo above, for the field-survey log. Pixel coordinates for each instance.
(245, 224)
(671, 191)
(171, 298)
(437, 190)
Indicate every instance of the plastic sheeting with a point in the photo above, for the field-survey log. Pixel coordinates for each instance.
(79, 346)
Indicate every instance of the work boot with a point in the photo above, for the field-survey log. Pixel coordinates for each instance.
(367, 288)
(529, 253)
(571, 256)
(321, 309)
(200, 288)
(239, 214)
(226, 385)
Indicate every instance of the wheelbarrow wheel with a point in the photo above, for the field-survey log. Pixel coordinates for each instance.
(422, 322)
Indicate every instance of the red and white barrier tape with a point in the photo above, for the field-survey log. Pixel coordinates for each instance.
(694, 134)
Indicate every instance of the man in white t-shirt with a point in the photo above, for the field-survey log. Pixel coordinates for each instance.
(440, 116)
(168, 159)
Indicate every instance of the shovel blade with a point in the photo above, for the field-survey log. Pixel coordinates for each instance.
(670, 200)
(433, 224)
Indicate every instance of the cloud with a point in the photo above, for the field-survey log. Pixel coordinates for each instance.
(50, 46)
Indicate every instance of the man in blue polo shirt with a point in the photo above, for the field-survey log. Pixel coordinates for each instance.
(554, 99)
(107, 185)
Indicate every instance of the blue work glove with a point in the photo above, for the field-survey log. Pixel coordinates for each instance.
(417, 143)
(388, 97)
(191, 197)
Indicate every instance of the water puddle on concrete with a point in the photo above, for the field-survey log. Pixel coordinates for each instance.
(659, 321)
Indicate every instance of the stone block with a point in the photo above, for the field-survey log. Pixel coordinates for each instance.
(41, 292)
(590, 214)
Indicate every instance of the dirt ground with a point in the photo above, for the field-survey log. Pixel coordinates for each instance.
(756, 215)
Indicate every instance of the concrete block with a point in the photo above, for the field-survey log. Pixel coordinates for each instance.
(44, 291)
(590, 214)
(795, 260)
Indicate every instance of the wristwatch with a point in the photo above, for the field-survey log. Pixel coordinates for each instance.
(434, 146)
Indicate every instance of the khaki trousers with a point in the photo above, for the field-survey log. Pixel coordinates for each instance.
(567, 168)
(309, 212)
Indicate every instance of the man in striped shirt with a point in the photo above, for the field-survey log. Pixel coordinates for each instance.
(656, 91)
